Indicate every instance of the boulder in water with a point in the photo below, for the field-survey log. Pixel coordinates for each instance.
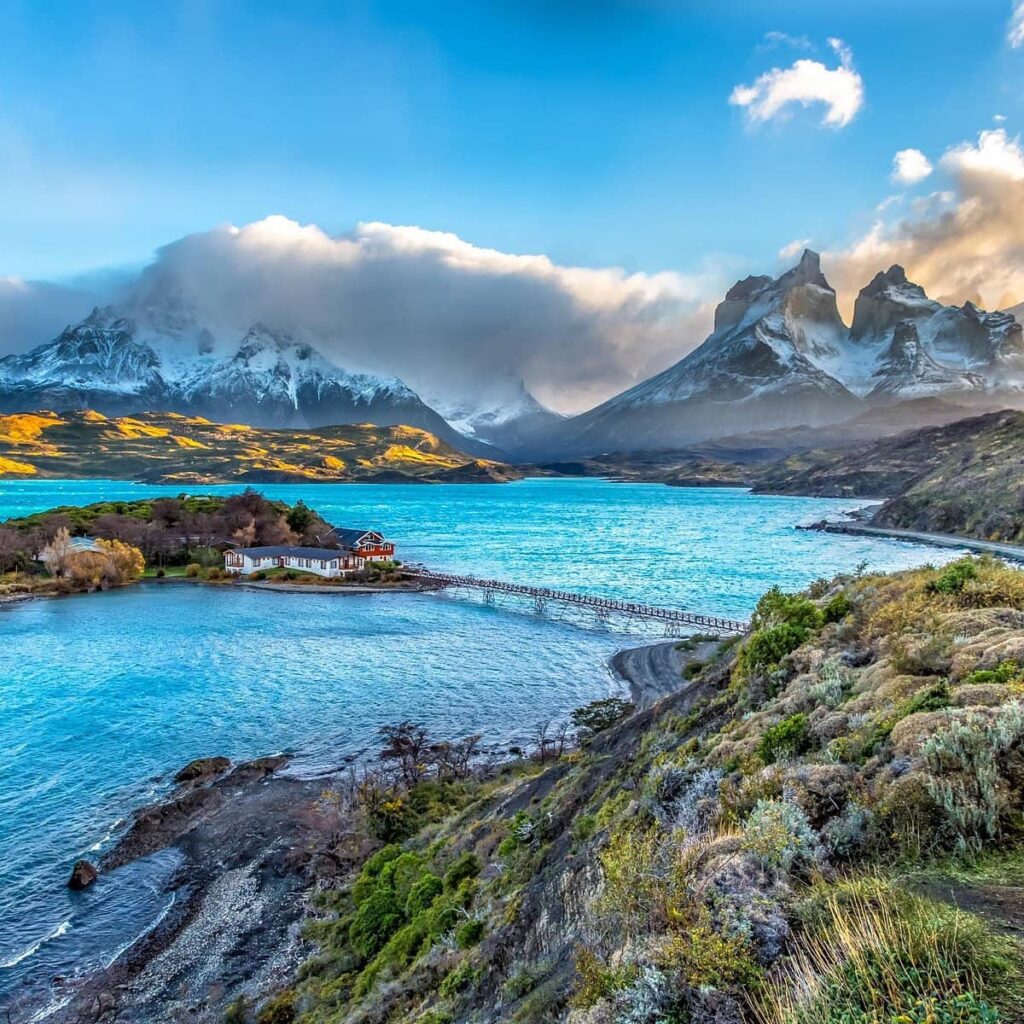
(83, 874)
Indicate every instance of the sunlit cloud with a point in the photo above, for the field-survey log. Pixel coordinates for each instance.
(909, 166)
(959, 243)
(806, 82)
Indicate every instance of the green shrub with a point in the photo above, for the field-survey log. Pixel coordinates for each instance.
(467, 865)
(462, 977)
(376, 920)
(584, 827)
(423, 894)
(934, 698)
(237, 1012)
(1005, 673)
(837, 608)
(953, 578)
(469, 933)
(788, 738)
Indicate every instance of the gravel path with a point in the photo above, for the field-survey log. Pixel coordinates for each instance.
(654, 671)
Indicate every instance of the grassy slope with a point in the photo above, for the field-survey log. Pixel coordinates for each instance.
(173, 448)
(740, 852)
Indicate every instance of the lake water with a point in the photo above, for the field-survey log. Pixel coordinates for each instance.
(103, 696)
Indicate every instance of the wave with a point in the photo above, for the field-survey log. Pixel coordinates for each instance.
(56, 933)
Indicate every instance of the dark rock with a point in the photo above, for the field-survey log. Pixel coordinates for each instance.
(160, 825)
(257, 769)
(83, 874)
(203, 769)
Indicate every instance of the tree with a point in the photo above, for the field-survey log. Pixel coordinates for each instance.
(12, 549)
(127, 561)
(89, 568)
(57, 554)
(406, 744)
(300, 517)
(601, 714)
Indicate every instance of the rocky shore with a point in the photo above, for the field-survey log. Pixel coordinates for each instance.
(251, 846)
(245, 837)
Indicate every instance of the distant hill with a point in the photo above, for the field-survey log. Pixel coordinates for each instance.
(170, 447)
(964, 478)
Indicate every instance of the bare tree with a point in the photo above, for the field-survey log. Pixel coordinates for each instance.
(406, 744)
(57, 554)
(12, 549)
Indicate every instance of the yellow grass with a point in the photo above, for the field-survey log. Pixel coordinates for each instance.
(332, 462)
(9, 466)
(187, 442)
(132, 428)
(403, 453)
(25, 428)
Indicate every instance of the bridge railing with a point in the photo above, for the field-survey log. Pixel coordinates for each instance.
(667, 615)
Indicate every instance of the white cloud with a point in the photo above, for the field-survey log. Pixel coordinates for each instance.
(840, 89)
(964, 242)
(1015, 32)
(793, 250)
(909, 166)
(774, 39)
(453, 319)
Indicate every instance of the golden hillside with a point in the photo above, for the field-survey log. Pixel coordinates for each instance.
(169, 447)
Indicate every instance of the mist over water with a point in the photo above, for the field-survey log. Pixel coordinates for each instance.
(103, 697)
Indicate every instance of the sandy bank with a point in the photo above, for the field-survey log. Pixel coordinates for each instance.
(654, 671)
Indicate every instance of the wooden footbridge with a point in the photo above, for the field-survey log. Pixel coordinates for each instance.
(673, 620)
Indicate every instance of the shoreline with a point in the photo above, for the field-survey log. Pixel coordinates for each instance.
(937, 540)
(655, 671)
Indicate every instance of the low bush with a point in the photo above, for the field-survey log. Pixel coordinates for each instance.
(788, 738)
(469, 933)
(953, 578)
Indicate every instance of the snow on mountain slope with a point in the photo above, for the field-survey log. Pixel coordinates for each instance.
(508, 416)
(781, 356)
(169, 362)
(758, 369)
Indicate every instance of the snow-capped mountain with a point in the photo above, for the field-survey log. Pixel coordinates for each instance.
(781, 356)
(760, 368)
(982, 352)
(508, 416)
(117, 364)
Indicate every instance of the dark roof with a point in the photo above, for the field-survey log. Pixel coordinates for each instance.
(350, 537)
(325, 554)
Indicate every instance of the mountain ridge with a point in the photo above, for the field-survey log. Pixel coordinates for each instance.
(781, 356)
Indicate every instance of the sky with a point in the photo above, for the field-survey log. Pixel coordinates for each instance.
(675, 145)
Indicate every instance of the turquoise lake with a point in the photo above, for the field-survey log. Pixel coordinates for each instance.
(103, 697)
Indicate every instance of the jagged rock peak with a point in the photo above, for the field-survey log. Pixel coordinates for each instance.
(807, 271)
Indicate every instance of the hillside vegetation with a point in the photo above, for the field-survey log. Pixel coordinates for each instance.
(965, 477)
(783, 841)
(167, 447)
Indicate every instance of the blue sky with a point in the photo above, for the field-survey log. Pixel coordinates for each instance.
(598, 133)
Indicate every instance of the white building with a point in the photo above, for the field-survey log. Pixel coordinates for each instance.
(360, 547)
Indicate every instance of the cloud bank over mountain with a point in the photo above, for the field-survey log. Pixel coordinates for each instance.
(448, 316)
